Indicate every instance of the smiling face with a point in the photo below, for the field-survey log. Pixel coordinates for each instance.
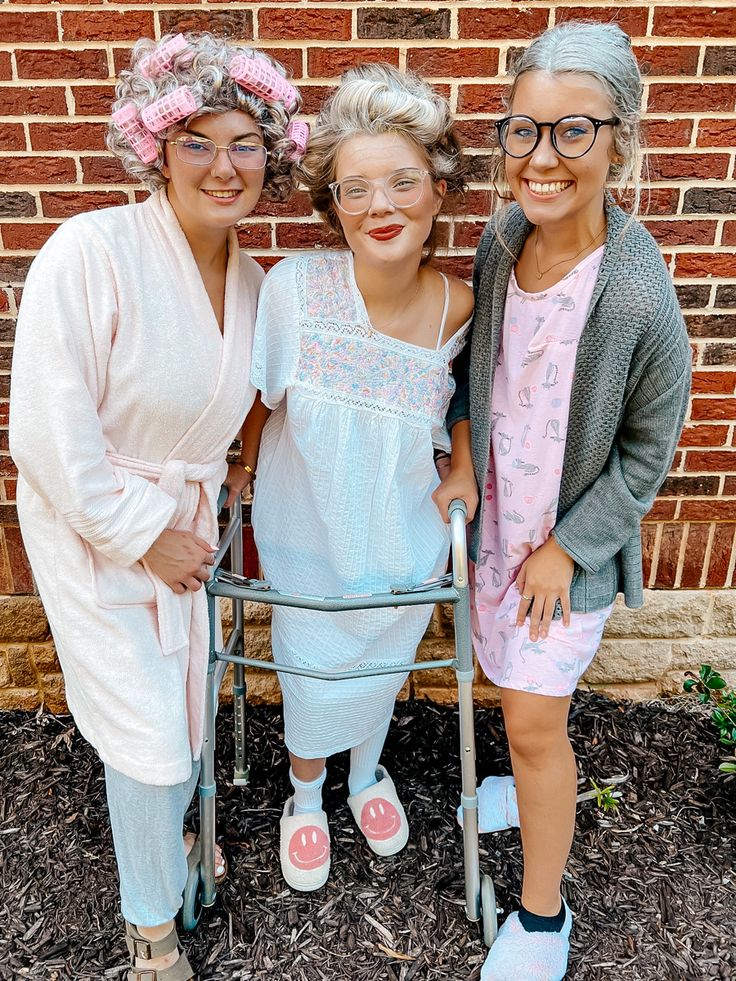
(386, 234)
(212, 198)
(552, 189)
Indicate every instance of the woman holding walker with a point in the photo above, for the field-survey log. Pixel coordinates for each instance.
(575, 387)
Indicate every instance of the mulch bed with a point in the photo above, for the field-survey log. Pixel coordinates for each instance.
(653, 887)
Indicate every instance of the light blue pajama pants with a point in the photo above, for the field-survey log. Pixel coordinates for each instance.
(147, 830)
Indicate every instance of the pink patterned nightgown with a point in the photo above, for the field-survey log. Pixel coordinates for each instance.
(530, 408)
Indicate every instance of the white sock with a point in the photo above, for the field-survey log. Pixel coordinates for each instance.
(364, 759)
(307, 794)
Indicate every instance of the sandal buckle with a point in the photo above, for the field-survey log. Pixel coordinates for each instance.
(143, 950)
(147, 976)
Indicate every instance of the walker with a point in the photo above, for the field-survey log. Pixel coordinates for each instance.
(200, 890)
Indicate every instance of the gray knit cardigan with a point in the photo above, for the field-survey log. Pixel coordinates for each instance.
(628, 401)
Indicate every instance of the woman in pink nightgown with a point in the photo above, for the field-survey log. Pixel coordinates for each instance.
(572, 394)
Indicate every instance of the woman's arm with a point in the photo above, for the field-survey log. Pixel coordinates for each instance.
(460, 480)
(242, 473)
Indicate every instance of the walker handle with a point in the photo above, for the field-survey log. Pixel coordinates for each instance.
(458, 513)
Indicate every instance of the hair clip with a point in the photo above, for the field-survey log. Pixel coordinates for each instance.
(261, 78)
(141, 141)
(161, 59)
(170, 109)
(298, 132)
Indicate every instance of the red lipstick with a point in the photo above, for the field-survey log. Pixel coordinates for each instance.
(386, 232)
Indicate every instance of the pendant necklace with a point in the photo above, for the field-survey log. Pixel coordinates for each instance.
(541, 273)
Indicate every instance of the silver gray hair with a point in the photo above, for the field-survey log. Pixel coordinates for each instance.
(374, 100)
(604, 52)
(206, 75)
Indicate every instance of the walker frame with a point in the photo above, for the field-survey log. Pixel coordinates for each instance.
(200, 890)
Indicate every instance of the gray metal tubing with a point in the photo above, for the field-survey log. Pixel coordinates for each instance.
(332, 604)
(240, 773)
(251, 662)
(207, 793)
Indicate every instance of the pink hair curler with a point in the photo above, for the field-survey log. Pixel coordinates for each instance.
(259, 77)
(142, 143)
(170, 109)
(162, 58)
(298, 131)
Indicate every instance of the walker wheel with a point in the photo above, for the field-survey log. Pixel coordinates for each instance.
(488, 910)
(191, 909)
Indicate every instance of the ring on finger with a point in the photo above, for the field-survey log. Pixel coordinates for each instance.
(527, 598)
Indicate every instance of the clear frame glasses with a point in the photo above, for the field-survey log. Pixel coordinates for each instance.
(201, 152)
(572, 136)
(403, 188)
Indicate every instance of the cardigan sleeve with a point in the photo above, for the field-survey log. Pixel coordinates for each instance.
(609, 513)
(66, 326)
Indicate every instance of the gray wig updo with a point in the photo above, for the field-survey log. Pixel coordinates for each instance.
(202, 66)
(374, 100)
(604, 52)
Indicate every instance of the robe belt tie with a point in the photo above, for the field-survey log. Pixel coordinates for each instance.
(176, 612)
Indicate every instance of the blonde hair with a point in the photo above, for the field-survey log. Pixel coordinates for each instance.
(202, 66)
(374, 100)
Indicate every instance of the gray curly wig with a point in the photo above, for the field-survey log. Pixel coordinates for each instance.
(206, 75)
(604, 52)
(378, 99)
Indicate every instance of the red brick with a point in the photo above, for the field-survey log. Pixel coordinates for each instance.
(648, 538)
(715, 132)
(716, 408)
(719, 60)
(254, 236)
(4, 301)
(688, 166)
(711, 461)
(501, 25)
(230, 22)
(93, 100)
(73, 135)
(303, 235)
(669, 554)
(419, 25)
(327, 25)
(314, 97)
(298, 206)
(106, 25)
(723, 510)
(291, 59)
(33, 101)
(714, 382)
(20, 568)
(467, 234)
(12, 137)
(662, 511)
(632, 20)
(104, 170)
(64, 204)
(267, 262)
(27, 236)
(6, 66)
(671, 97)
(704, 435)
(480, 133)
(695, 548)
(729, 233)
(657, 200)
(683, 232)
(460, 266)
(477, 203)
(328, 62)
(456, 62)
(11, 487)
(720, 555)
(729, 487)
(481, 98)
(89, 63)
(27, 26)
(719, 354)
(704, 21)
(694, 264)
(668, 59)
(712, 325)
(38, 170)
(667, 132)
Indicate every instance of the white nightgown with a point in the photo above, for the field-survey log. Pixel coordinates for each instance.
(343, 496)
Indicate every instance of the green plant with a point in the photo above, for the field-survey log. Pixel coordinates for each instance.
(604, 796)
(712, 689)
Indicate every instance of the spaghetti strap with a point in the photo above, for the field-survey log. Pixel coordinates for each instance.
(444, 312)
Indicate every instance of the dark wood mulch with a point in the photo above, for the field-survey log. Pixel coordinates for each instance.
(653, 888)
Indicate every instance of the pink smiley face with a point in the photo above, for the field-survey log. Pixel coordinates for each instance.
(379, 819)
(309, 848)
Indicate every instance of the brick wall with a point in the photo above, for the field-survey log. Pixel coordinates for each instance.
(57, 66)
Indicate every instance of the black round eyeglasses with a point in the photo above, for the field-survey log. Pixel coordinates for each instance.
(572, 136)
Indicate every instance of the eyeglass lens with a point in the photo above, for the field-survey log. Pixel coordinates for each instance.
(571, 137)
(403, 189)
(243, 156)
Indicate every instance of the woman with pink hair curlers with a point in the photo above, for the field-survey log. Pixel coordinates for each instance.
(130, 380)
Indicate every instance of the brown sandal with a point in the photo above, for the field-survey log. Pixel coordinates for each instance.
(145, 949)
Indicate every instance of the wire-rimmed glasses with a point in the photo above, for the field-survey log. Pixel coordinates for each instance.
(572, 136)
(201, 152)
(403, 188)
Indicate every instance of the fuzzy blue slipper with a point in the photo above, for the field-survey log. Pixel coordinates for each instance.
(518, 955)
(497, 806)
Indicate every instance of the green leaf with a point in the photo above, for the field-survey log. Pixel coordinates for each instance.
(717, 683)
(727, 767)
(689, 685)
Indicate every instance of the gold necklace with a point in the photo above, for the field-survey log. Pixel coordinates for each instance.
(404, 308)
(541, 273)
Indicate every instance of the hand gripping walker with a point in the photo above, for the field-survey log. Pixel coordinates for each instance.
(480, 899)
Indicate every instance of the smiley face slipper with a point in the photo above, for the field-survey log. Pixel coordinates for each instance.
(304, 849)
(379, 815)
